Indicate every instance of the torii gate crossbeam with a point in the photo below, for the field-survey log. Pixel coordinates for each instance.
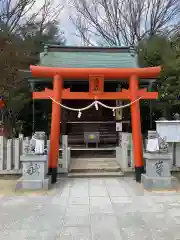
(96, 78)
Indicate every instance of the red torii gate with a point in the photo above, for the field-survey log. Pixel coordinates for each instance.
(96, 78)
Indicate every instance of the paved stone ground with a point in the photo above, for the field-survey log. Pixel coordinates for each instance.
(92, 209)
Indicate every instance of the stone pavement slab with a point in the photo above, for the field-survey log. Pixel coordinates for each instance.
(105, 227)
(91, 209)
(76, 233)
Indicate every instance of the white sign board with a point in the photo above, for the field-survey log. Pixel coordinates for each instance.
(39, 146)
(118, 126)
(119, 110)
(152, 145)
(169, 130)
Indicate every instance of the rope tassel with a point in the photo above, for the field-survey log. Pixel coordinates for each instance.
(96, 105)
(79, 114)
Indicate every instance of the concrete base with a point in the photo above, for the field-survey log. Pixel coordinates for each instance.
(62, 170)
(159, 183)
(34, 184)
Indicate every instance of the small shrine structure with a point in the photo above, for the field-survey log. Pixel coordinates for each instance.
(96, 66)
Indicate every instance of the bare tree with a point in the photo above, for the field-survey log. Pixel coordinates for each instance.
(82, 28)
(118, 22)
(12, 13)
(47, 14)
(15, 14)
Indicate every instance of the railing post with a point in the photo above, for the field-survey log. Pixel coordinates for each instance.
(122, 152)
(124, 143)
(17, 153)
(9, 155)
(130, 151)
(3, 153)
(65, 159)
(119, 155)
(177, 152)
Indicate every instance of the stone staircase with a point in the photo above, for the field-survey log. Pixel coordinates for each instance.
(89, 167)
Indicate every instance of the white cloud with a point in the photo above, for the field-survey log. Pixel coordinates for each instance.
(65, 23)
(67, 26)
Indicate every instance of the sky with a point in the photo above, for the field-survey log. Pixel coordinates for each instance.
(65, 23)
(68, 27)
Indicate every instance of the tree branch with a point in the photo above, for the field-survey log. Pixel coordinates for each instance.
(119, 22)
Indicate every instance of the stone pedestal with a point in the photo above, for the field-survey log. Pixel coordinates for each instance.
(124, 152)
(158, 172)
(177, 154)
(35, 169)
(65, 154)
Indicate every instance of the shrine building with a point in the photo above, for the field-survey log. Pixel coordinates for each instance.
(75, 77)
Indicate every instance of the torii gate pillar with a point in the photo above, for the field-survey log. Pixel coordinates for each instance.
(55, 128)
(136, 128)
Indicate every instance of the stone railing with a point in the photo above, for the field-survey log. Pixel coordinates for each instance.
(10, 152)
(12, 149)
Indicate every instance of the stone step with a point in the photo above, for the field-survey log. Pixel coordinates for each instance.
(96, 174)
(94, 165)
(103, 164)
(89, 159)
(93, 170)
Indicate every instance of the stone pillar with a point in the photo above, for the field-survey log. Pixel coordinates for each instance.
(130, 152)
(122, 152)
(9, 154)
(177, 155)
(17, 153)
(64, 153)
(35, 165)
(119, 155)
(158, 172)
(34, 172)
(3, 152)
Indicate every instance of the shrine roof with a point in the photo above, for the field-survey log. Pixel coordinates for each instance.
(88, 57)
(57, 48)
(85, 57)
